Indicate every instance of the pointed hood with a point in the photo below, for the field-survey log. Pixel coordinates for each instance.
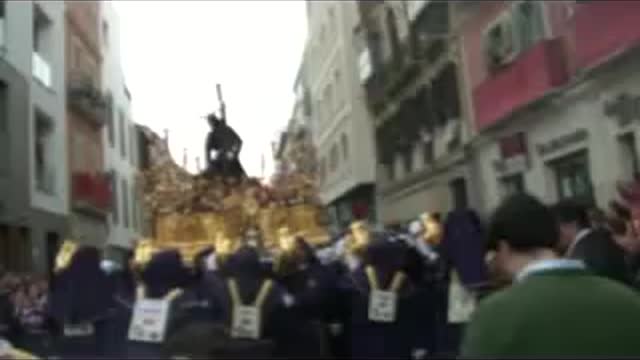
(163, 273)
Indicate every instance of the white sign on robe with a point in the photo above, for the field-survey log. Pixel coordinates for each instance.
(149, 321)
(78, 330)
(382, 306)
(462, 302)
(246, 322)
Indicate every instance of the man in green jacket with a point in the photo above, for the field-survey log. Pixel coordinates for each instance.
(555, 307)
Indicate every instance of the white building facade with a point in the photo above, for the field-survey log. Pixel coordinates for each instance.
(340, 123)
(33, 164)
(120, 139)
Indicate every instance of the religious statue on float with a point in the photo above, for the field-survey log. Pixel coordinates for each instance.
(223, 145)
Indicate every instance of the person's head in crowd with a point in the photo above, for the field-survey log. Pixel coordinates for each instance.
(212, 341)
(33, 291)
(43, 286)
(437, 217)
(572, 218)
(19, 298)
(619, 223)
(522, 229)
(597, 218)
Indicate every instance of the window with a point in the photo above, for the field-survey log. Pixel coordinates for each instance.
(391, 171)
(41, 28)
(132, 145)
(327, 104)
(76, 54)
(345, 146)
(77, 151)
(529, 21)
(123, 135)
(134, 209)
(42, 45)
(45, 172)
(333, 160)
(115, 210)
(105, 33)
(323, 33)
(364, 65)
(337, 81)
(2, 31)
(323, 170)
(629, 156)
(392, 35)
(331, 103)
(141, 220)
(499, 44)
(427, 154)
(306, 103)
(125, 203)
(4, 107)
(318, 114)
(573, 178)
(110, 119)
(513, 184)
(459, 193)
(333, 23)
(4, 127)
(407, 161)
(514, 32)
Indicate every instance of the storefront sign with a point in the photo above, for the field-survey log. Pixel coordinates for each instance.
(562, 142)
(624, 108)
(511, 165)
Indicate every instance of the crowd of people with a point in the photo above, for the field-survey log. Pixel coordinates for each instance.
(23, 304)
(532, 281)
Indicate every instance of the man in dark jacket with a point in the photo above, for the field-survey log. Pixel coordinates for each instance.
(578, 240)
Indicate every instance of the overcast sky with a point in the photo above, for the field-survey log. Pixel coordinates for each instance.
(174, 53)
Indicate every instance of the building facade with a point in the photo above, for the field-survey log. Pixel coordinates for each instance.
(555, 99)
(33, 163)
(294, 149)
(409, 66)
(120, 138)
(90, 195)
(340, 122)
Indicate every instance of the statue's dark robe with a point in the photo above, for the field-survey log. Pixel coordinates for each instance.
(224, 139)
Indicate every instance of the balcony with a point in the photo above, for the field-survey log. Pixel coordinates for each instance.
(91, 193)
(529, 77)
(41, 70)
(389, 79)
(617, 30)
(85, 98)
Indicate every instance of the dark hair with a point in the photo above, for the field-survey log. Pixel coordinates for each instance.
(616, 225)
(195, 340)
(212, 341)
(523, 222)
(569, 211)
(620, 210)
